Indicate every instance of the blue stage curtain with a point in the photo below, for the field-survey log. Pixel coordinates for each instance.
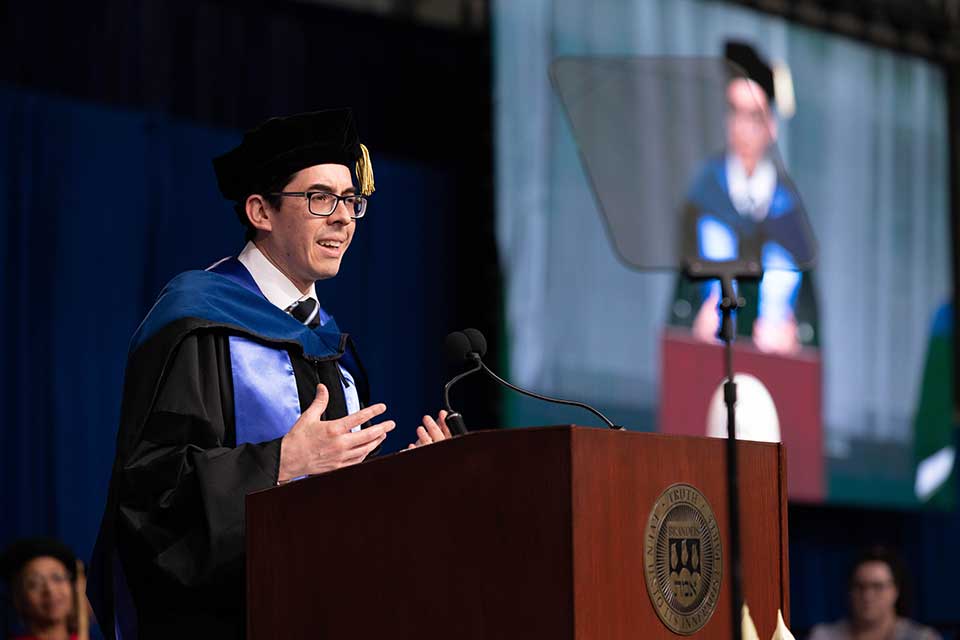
(79, 266)
(100, 208)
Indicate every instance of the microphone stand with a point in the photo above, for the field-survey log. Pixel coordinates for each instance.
(727, 272)
(572, 403)
(454, 419)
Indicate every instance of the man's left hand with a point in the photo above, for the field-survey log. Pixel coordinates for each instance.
(778, 337)
(432, 430)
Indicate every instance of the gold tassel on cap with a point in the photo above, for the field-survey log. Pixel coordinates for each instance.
(365, 171)
(783, 90)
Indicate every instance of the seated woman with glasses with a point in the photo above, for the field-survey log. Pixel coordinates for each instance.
(877, 603)
(41, 575)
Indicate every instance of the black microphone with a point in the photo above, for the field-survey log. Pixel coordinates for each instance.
(458, 349)
(478, 348)
(478, 344)
(457, 346)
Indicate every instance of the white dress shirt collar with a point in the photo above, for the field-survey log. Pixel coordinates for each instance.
(275, 286)
(751, 195)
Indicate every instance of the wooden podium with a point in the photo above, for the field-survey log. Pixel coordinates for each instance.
(522, 533)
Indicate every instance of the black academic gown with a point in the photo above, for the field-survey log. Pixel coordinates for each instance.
(175, 513)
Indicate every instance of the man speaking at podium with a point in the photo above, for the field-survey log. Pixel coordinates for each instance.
(743, 203)
(238, 380)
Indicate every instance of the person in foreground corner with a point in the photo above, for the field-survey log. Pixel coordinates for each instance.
(877, 603)
(45, 582)
(238, 380)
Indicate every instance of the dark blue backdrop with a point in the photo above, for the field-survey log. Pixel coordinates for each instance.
(102, 206)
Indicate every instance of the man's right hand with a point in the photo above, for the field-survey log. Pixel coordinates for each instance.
(314, 446)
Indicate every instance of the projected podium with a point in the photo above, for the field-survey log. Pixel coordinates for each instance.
(550, 532)
(692, 371)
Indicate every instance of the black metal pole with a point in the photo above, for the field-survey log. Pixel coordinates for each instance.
(728, 303)
(741, 270)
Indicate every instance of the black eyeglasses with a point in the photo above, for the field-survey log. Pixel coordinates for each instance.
(323, 203)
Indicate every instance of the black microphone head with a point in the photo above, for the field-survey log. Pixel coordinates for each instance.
(457, 346)
(477, 342)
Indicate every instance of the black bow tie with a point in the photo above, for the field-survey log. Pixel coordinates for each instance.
(306, 311)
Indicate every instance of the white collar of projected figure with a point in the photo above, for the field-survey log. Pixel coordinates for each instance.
(752, 194)
(275, 286)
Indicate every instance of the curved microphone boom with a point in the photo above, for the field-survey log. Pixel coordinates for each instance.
(478, 348)
(457, 347)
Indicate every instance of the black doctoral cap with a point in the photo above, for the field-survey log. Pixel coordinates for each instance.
(753, 66)
(280, 147)
(18, 554)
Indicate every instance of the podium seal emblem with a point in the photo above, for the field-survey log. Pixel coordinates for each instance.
(683, 559)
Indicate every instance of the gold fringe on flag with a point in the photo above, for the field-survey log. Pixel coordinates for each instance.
(748, 631)
(781, 632)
